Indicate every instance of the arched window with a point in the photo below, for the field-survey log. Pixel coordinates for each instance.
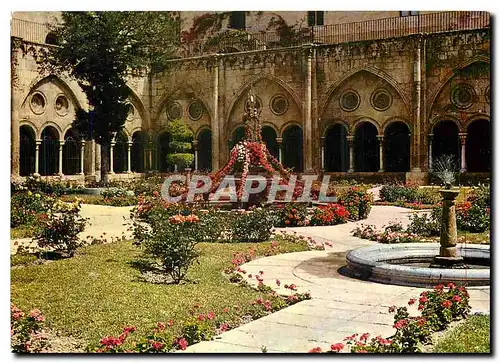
(71, 153)
(336, 149)
(366, 150)
(138, 152)
(445, 141)
(163, 148)
(397, 147)
(478, 146)
(269, 138)
(51, 38)
(205, 150)
(120, 153)
(27, 151)
(49, 151)
(292, 148)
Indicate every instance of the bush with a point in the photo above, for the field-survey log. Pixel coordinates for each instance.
(253, 226)
(115, 192)
(329, 215)
(393, 233)
(26, 207)
(480, 196)
(474, 218)
(425, 225)
(27, 331)
(291, 215)
(171, 242)
(59, 231)
(358, 202)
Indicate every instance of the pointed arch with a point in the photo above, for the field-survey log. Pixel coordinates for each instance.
(451, 73)
(374, 71)
(244, 87)
(139, 105)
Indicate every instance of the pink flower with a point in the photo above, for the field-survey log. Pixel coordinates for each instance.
(400, 324)
(456, 298)
(451, 285)
(364, 337)
(182, 343)
(161, 326)
(411, 301)
(201, 317)
(423, 299)
(337, 347)
(129, 329)
(278, 282)
(34, 313)
(157, 345)
(211, 315)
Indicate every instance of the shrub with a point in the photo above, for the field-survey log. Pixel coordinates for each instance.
(171, 242)
(292, 215)
(180, 144)
(480, 196)
(393, 233)
(473, 217)
(424, 225)
(427, 196)
(59, 231)
(358, 202)
(197, 329)
(26, 207)
(253, 226)
(329, 215)
(27, 331)
(115, 192)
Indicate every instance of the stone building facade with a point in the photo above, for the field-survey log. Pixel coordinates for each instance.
(377, 98)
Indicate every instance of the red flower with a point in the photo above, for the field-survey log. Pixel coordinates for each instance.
(423, 299)
(451, 285)
(201, 317)
(161, 326)
(129, 329)
(337, 347)
(364, 337)
(157, 345)
(226, 310)
(182, 343)
(400, 324)
(392, 309)
(456, 298)
(211, 315)
(446, 304)
(411, 301)
(315, 350)
(170, 323)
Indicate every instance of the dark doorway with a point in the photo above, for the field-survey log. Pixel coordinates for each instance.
(366, 150)
(445, 141)
(269, 138)
(27, 149)
(120, 153)
(205, 150)
(397, 147)
(49, 152)
(163, 142)
(478, 146)
(336, 149)
(71, 153)
(138, 152)
(292, 148)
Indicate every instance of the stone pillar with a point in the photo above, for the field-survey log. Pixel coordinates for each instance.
(37, 155)
(307, 140)
(380, 139)
(93, 157)
(215, 118)
(195, 148)
(61, 144)
(279, 140)
(129, 162)
(418, 75)
(150, 156)
(350, 141)
(463, 162)
(322, 148)
(15, 102)
(448, 237)
(430, 151)
(111, 167)
(82, 157)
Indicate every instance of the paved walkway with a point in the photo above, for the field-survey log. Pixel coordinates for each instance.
(340, 306)
(105, 222)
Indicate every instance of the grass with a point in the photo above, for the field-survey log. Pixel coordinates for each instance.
(472, 336)
(22, 232)
(98, 291)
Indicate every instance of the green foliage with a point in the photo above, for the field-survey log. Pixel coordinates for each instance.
(291, 214)
(59, 231)
(472, 336)
(182, 160)
(253, 226)
(358, 202)
(409, 194)
(27, 331)
(180, 144)
(425, 225)
(26, 208)
(196, 330)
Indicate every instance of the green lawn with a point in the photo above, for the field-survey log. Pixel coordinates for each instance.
(22, 232)
(97, 292)
(472, 336)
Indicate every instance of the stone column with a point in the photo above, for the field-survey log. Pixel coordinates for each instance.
(129, 162)
(111, 167)
(150, 158)
(418, 76)
(430, 151)
(37, 155)
(448, 237)
(322, 147)
(195, 148)
(380, 139)
(307, 140)
(350, 141)
(60, 171)
(15, 102)
(463, 163)
(93, 157)
(215, 119)
(82, 156)
(279, 140)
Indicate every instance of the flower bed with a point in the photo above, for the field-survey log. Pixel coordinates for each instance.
(438, 308)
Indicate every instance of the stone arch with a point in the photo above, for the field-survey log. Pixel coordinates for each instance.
(269, 136)
(77, 96)
(287, 125)
(477, 116)
(32, 126)
(139, 106)
(446, 140)
(361, 120)
(138, 154)
(240, 92)
(446, 117)
(396, 119)
(327, 125)
(450, 74)
(51, 124)
(163, 149)
(374, 71)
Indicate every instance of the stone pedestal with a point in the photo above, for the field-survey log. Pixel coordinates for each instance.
(448, 239)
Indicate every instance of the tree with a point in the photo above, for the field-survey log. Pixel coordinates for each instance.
(101, 50)
(181, 144)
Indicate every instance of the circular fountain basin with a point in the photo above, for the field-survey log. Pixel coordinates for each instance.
(409, 264)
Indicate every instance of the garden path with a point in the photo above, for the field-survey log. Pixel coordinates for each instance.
(340, 306)
(105, 222)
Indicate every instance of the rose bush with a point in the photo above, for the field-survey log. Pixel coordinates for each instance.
(27, 331)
